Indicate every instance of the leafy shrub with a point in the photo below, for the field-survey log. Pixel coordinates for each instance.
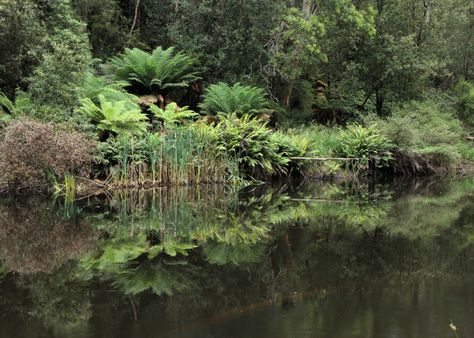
(21, 103)
(56, 83)
(466, 150)
(365, 143)
(252, 144)
(239, 99)
(428, 138)
(323, 141)
(155, 73)
(31, 151)
(291, 145)
(423, 127)
(119, 117)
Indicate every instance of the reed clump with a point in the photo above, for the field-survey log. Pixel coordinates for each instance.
(179, 156)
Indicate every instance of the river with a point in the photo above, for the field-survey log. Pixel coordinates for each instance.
(294, 259)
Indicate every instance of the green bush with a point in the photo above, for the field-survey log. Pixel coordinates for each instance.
(253, 145)
(364, 143)
(56, 84)
(93, 86)
(238, 99)
(466, 150)
(10, 109)
(423, 127)
(323, 141)
(157, 73)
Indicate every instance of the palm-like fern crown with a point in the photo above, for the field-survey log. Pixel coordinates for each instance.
(120, 117)
(154, 73)
(239, 99)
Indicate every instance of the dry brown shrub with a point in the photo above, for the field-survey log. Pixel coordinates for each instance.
(30, 151)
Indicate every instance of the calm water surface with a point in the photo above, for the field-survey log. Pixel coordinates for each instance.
(291, 260)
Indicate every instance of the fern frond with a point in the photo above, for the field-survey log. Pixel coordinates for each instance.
(120, 117)
(172, 113)
(157, 72)
(239, 99)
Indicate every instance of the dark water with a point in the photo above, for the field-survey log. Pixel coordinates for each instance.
(294, 260)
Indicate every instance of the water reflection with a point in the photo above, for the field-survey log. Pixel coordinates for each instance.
(318, 259)
(36, 236)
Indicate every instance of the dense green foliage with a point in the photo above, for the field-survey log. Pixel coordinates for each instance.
(423, 126)
(251, 143)
(172, 114)
(464, 96)
(393, 81)
(364, 143)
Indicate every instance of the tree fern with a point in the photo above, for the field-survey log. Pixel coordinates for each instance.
(93, 86)
(172, 113)
(155, 73)
(119, 117)
(239, 99)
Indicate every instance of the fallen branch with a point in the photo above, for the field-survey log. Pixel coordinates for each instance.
(326, 159)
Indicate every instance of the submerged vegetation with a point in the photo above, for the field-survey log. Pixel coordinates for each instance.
(160, 97)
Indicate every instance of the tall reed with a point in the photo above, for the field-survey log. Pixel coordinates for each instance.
(177, 156)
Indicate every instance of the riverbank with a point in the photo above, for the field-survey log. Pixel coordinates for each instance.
(233, 151)
(131, 127)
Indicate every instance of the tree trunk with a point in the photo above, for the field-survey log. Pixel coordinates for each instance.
(135, 17)
(306, 7)
(287, 92)
(470, 43)
(379, 103)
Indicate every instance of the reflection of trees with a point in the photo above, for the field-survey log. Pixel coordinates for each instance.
(57, 299)
(333, 233)
(242, 253)
(34, 237)
(218, 254)
(3, 271)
